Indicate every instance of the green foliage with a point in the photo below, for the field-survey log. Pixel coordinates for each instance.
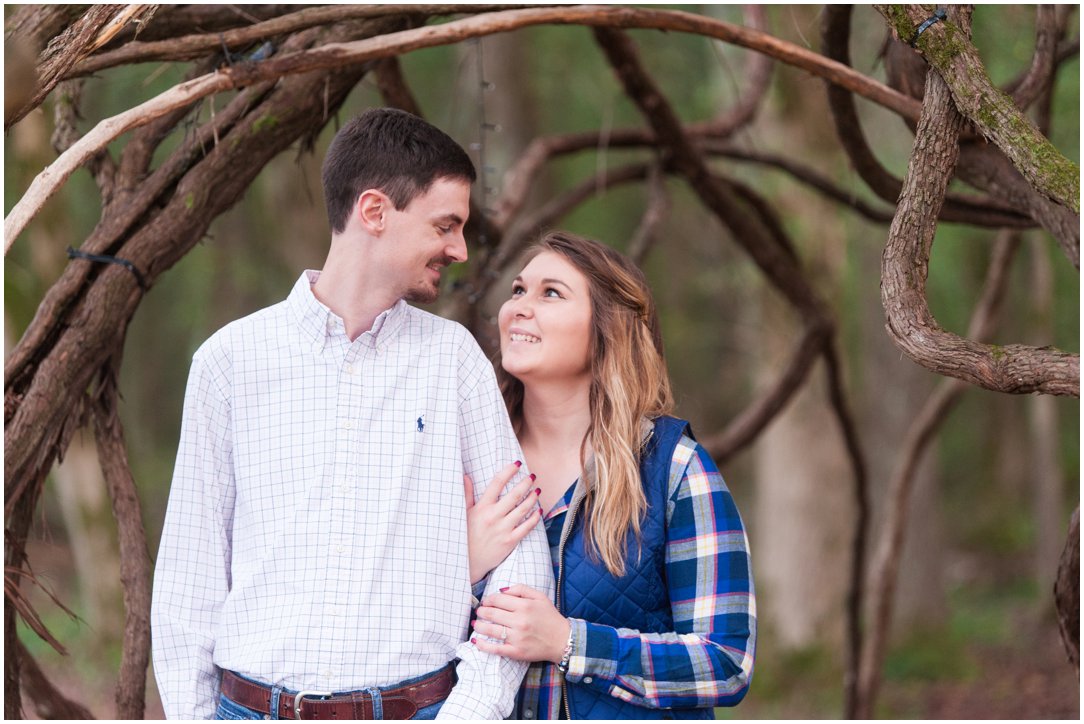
(930, 655)
(786, 684)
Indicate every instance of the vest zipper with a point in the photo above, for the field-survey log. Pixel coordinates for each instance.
(570, 520)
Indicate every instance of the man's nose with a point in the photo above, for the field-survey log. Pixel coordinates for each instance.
(457, 249)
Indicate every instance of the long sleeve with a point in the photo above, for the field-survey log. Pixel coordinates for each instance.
(707, 660)
(191, 578)
(487, 683)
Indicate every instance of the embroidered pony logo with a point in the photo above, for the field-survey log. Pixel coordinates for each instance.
(421, 423)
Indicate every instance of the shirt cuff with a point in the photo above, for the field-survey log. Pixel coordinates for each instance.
(593, 659)
(477, 590)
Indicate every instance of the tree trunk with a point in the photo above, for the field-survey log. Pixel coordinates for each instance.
(802, 516)
(1045, 478)
(1067, 592)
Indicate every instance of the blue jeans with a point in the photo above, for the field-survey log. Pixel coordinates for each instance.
(229, 709)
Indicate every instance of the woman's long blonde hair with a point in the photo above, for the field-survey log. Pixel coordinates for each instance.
(629, 383)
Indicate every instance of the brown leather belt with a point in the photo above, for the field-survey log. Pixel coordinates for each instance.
(399, 703)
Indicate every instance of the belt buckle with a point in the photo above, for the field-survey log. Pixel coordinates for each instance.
(302, 694)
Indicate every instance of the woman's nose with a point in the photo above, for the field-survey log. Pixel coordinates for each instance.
(523, 308)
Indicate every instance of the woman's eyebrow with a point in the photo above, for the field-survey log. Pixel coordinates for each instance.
(547, 280)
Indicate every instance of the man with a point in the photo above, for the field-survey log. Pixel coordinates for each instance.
(315, 540)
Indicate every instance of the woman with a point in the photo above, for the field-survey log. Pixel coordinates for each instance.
(654, 614)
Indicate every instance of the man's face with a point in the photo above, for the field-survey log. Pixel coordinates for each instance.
(424, 237)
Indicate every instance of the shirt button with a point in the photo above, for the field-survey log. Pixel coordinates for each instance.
(529, 714)
(344, 489)
(339, 549)
(327, 673)
(587, 679)
(350, 369)
(348, 425)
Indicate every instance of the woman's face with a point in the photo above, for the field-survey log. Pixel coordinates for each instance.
(545, 325)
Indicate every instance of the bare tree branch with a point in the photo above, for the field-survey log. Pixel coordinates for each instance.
(519, 178)
(40, 23)
(1012, 368)
(994, 114)
(172, 21)
(758, 76)
(14, 595)
(835, 34)
(775, 261)
(984, 166)
(65, 134)
(803, 174)
(981, 164)
(658, 208)
(49, 702)
(135, 561)
(93, 28)
(856, 589)
(15, 564)
(339, 54)
(190, 47)
(885, 568)
(747, 425)
(138, 192)
(1047, 32)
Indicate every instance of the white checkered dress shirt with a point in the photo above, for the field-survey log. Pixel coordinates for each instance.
(316, 534)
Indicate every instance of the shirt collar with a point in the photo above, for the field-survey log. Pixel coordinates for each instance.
(318, 323)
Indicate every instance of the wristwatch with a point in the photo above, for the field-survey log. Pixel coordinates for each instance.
(563, 665)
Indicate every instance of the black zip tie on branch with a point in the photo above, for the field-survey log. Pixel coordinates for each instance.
(75, 254)
(938, 14)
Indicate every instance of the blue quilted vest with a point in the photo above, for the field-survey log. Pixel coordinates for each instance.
(639, 599)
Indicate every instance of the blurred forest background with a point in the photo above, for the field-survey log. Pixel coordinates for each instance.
(974, 633)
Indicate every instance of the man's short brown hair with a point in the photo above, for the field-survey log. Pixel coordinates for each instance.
(392, 151)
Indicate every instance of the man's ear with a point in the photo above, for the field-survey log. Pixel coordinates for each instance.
(370, 209)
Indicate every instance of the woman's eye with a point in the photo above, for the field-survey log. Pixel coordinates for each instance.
(551, 292)
(517, 290)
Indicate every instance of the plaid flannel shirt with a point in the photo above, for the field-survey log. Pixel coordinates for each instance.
(707, 661)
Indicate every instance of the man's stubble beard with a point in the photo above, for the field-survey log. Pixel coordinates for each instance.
(422, 295)
(427, 293)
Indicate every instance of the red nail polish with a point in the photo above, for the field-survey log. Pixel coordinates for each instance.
(538, 491)
(532, 477)
(505, 589)
(518, 464)
(473, 641)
